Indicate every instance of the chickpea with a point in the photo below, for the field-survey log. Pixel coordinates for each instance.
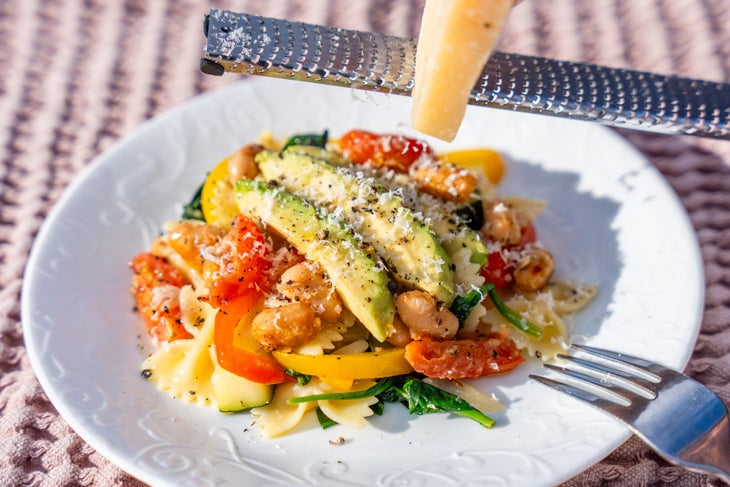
(290, 325)
(423, 315)
(534, 270)
(444, 179)
(241, 163)
(501, 223)
(305, 283)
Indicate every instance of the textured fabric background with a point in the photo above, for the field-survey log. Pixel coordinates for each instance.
(79, 74)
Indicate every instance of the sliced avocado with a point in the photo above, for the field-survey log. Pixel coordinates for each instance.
(356, 272)
(455, 236)
(318, 153)
(451, 229)
(407, 245)
(234, 393)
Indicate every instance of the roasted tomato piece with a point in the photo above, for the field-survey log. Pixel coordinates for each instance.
(393, 151)
(465, 358)
(156, 288)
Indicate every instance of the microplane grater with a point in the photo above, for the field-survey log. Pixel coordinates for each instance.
(251, 44)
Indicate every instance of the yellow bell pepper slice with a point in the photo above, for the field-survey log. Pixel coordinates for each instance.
(218, 198)
(336, 369)
(487, 161)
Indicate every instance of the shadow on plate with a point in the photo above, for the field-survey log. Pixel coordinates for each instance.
(577, 227)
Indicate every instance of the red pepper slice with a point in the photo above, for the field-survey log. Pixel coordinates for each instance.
(254, 364)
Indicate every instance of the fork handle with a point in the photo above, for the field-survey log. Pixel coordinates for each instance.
(711, 455)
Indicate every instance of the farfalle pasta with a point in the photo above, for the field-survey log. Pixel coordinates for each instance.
(334, 276)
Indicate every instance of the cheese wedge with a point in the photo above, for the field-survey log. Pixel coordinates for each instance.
(456, 39)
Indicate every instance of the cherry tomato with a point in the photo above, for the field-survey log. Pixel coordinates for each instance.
(236, 351)
(155, 285)
(463, 358)
(499, 272)
(393, 151)
(496, 271)
(529, 235)
(244, 265)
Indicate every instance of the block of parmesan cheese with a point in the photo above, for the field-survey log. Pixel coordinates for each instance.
(456, 39)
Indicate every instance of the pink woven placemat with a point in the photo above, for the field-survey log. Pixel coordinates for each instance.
(79, 74)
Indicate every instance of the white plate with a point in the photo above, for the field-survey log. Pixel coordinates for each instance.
(611, 219)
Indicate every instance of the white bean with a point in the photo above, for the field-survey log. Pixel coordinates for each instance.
(241, 163)
(424, 315)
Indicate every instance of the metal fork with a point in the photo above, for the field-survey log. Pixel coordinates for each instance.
(682, 420)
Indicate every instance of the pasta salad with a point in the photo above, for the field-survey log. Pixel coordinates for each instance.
(331, 276)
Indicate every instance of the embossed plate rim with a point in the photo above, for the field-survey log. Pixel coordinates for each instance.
(80, 336)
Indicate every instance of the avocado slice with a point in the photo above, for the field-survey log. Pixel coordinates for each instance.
(356, 272)
(407, 245)
(455, 236)
(318, 153)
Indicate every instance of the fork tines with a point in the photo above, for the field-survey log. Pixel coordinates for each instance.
(684, 421)
(604, 378)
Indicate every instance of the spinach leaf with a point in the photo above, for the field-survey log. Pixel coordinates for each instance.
(409, 390)
(302, 379)
(463, 305)
(421, 398)
(376, 389)
(324, 420)
(472, 214)
(523, 324)
(194, 210)
(317, 140)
